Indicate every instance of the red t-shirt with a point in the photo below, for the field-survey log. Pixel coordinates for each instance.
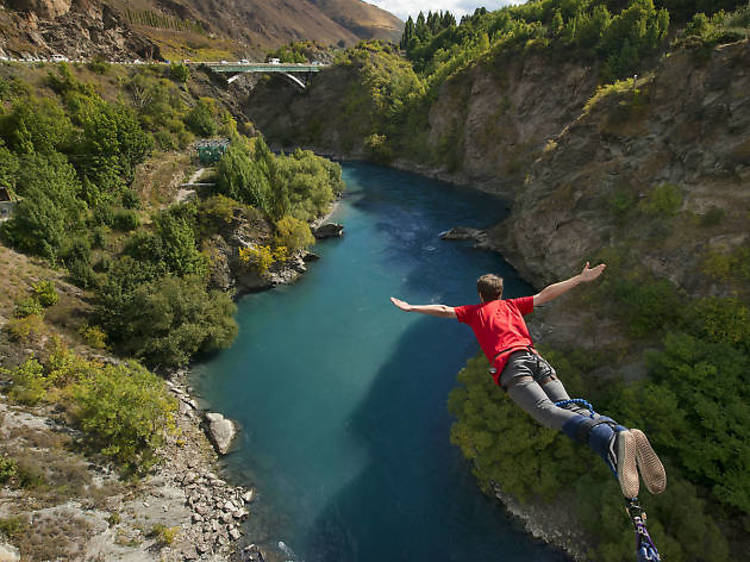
(499, 326)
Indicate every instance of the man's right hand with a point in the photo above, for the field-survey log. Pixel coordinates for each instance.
(403, 305)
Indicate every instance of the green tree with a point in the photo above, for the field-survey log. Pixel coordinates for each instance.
(124, 411)
(49, 209)
(293, 233)
(200, 120)
(168, 321)
(179, 72)
(239, 176)
(110, 146)
(35, 125)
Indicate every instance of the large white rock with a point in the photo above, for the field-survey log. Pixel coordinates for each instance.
(9, 553)
(221, 431)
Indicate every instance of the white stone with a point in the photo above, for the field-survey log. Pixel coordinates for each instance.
(9, 553)
(222, 432)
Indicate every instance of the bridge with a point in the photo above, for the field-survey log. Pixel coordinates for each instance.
(288, 70)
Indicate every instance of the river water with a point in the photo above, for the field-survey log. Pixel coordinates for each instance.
(342, 398)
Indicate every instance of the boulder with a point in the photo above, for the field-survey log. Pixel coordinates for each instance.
(9, 553)
(478, 236)
(221, 431)
(462, 233)
(328, 230)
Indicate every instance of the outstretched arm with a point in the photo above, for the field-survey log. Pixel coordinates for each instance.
(439, 310)
(555, 290)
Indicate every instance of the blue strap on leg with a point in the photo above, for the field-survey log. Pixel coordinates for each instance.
(580, 401)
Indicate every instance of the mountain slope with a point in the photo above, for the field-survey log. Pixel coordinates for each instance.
(364, 20)
(205, 29)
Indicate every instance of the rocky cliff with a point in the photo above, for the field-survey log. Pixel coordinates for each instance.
(118, 30)
(681, 132)
(75, 28)
(582, 166)
(484, 126)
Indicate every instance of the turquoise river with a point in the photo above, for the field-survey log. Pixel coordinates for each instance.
(341, 398)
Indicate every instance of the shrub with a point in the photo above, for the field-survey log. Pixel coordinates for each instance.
(647, 306)
(124, 410)
(24, 329)
(260, 257)
(179, 72)
(378, 148)
(49, 210)
(664, 200)
(13, 527)
(29, 385)
(167, 321)
(712, 217)
(82, 274)
(94, 336)
(293, 233)
(98, 65)
(8, 469)
(164, 535)
(172, 246)
(200, 120)
(28, 307)
(126, 220)
(130, 199)
(44, 292)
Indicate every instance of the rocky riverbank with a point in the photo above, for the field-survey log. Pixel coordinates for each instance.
(181, 510)
(58, 504)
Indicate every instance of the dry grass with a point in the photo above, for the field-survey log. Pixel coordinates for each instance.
(52, 536)
(157, 180)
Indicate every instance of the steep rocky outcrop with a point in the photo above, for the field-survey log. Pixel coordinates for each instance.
(579, 172)
(495, 117)
(77, 29)
(685, 127)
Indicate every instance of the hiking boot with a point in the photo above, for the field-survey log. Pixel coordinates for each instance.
(652, 471)
(621, 456)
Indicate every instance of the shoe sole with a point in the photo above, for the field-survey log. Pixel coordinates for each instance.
(652, 471)
(627, 471)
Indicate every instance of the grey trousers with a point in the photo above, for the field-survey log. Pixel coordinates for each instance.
(523, 376)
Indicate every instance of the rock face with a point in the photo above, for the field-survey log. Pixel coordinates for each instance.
(88, 27)
(221, 431)
(685, 128)
(497, 118)
(43, 8)
(329, 230)
(480, 237)
(81, 29)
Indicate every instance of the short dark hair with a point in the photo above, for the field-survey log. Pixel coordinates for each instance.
(490, 287)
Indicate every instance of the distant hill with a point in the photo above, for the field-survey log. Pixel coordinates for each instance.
(364, 20)
(197, 29)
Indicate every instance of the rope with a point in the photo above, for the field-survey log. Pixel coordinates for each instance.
(580, 402)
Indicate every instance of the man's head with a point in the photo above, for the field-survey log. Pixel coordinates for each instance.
(490, 287)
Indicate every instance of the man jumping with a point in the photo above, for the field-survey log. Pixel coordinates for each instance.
(532, 383)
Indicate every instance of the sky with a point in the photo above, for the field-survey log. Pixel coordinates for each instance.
(405, 8)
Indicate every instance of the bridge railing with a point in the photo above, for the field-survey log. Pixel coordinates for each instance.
(264, 67)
